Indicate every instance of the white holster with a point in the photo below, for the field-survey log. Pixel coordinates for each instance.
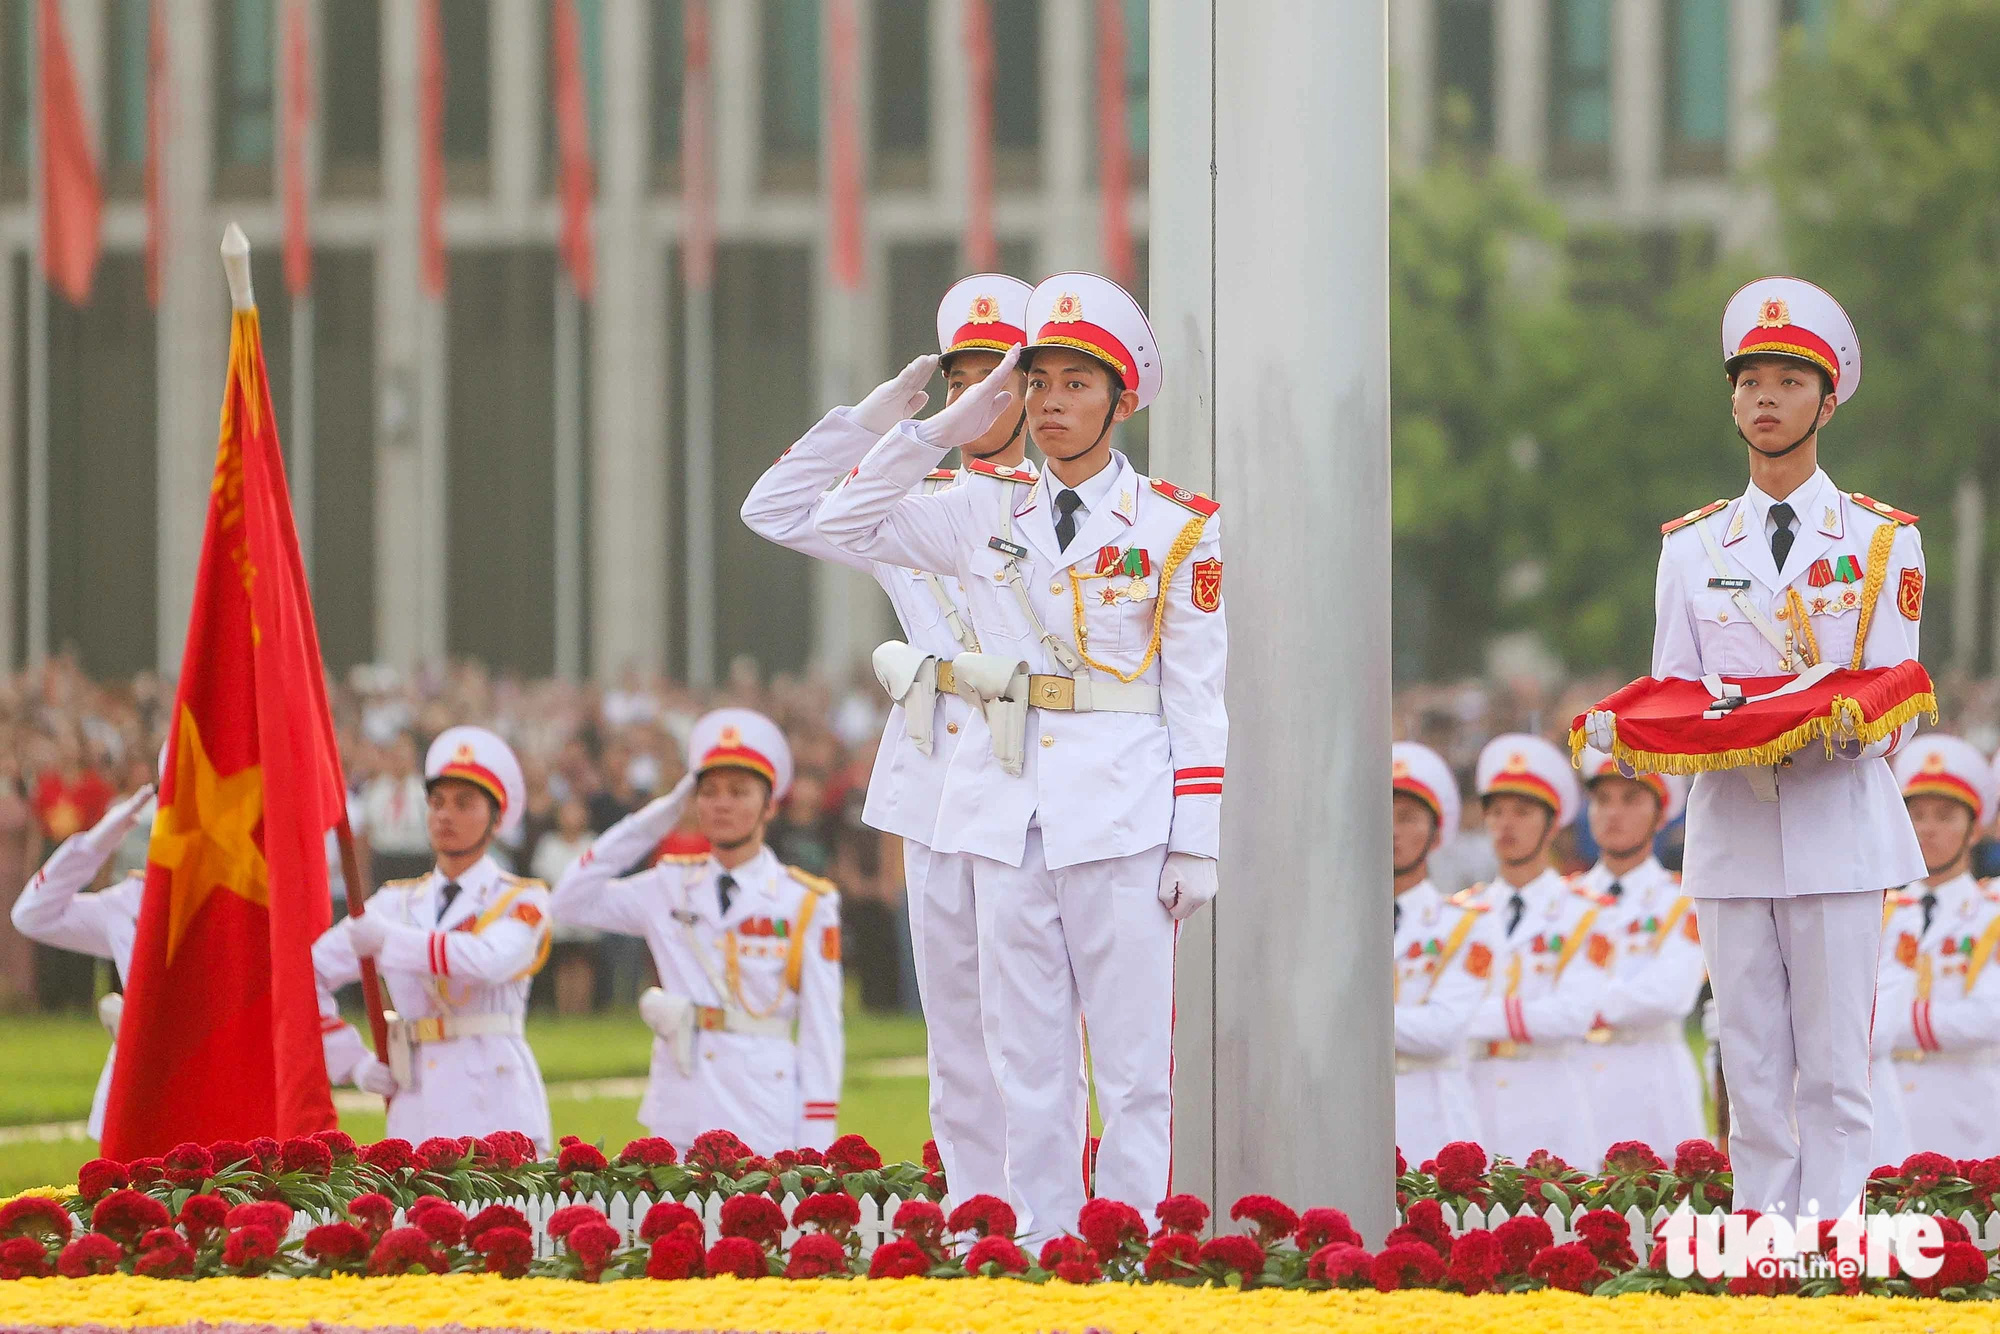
(672, 1020)
(998, 687)
(406, 1035)
(909, 676)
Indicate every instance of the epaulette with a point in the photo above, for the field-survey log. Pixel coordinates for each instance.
(1675, 525)
(1006, 472)
(941, 475)
(680, 859)
(1898, 899)
(1874, 506)
(412, 883)
(525, 882)
(1193, 500)
(1468, 897)
(816, 884)
(1470, 905)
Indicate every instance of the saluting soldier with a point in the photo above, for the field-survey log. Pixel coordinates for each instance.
(1550, 967)
(979, 319)
(1640, 1072)
(1088, 789)
(457, 949)
(747, 1017)
(1940, 994)
(1444, 963)
(1788, 865)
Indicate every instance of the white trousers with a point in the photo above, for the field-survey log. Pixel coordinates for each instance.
(967, 1118)
(1647, 1090)
(1093, 938)
(1794, 987)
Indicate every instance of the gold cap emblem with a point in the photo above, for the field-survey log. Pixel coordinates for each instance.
(1517, 762)
(1773, 313)
(1069, 309)
(1934, 762)
(463, 755)
(729, 737)
(985, 310)
(1401, 770)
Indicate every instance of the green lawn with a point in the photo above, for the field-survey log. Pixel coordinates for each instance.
(53, 1063)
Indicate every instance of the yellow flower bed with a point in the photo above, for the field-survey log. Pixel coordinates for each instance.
(924, 1306)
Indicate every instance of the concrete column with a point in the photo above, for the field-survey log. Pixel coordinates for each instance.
(1638, 106)
(951, 113)
(10, 450)
(409, 442)
(1070, 234)
(628, 465)
(735, 83)
(192, 324)
(1521, 83)
(1755, 32)
(519, 37)
(1301, 1099)
(1413, 78)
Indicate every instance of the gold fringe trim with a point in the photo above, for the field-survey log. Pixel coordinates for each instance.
(1843, 721)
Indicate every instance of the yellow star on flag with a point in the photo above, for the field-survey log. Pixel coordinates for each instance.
(208, 837)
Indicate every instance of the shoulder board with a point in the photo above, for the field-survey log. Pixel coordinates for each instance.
(411, 883)
(1470, 905)
(1675, 525)
(1898, 899)
(1180, 495)
(681, 859)
(1990, 889)
(1874, 506)
(1468, 897)
(135, 873)
(1006, 472)
(1674, 876)
(813, 883)
(525, 882)
(941, 475)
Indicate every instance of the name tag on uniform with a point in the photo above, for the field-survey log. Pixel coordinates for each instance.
(1019, 552)
(1734, 585)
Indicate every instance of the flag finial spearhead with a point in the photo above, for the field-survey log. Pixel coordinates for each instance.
(236, 263)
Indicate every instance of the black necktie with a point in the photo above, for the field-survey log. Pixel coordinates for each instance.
(1782, 536)
(725, 889)
(1067, 504)
(1617, 890)
(1930, 909)
(1516, 905)
(450, 894)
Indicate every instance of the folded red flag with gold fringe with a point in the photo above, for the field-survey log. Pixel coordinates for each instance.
(1662, 727)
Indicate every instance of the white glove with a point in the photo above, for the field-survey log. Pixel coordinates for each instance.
(371, 1076)
(366, 934)
(1600, 729)
(1186, 883)
(895, 399)
(1853, 749)
(664, 812)
(655, 1011)
(976, 410)
(109, 1011)
(105, 836)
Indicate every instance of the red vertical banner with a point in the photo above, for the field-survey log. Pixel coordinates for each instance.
(982, 250)
(430, 146)
(1114, 141)
(72, 200)
(844, 190)
(158, 128)
(697, 171)
(574, 176)
(299, 103)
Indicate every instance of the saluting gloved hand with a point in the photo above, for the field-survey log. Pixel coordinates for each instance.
(105, 836)
(976, 410)
(895, 399)
(664, 812)
(371, 1076)
(366, 934)
(1186, 883)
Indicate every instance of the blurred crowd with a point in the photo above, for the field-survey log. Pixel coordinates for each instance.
(69, 745)
(590, 755)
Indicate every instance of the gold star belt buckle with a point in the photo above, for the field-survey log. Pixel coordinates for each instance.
(710, 1018)
(1052, 692)
(947, 679)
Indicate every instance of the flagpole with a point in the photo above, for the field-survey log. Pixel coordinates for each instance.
(37, 617)
(568, 481)
(371, 982)
(302, 427)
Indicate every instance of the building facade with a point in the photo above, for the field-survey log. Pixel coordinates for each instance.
(432, 488)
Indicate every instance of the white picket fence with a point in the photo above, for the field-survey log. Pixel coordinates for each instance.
(875, 1227)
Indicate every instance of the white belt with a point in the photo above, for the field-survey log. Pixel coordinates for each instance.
(1088, 694)
(1962, 1056)
(406, 1034)
(1406, 1065)
(1508, 1050)
(1633, 1037)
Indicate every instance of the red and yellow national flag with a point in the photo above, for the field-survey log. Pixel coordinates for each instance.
(221, 1037)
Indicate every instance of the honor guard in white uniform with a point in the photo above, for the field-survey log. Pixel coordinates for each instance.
(980, 318)
(1940, 996)
(1444, 963)
(747, 1017)
(1788, 866)
(1637, 1065)
(1088, 787)
(456, 949)
(1551, 965)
